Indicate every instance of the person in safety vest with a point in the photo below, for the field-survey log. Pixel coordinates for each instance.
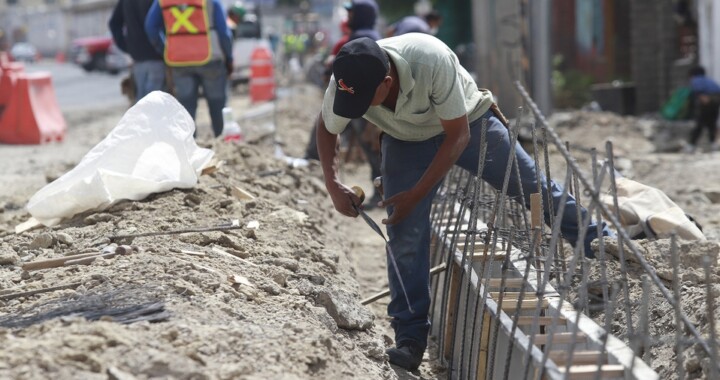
(196, 43)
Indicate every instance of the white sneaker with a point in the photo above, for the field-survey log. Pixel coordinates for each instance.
(689, 148)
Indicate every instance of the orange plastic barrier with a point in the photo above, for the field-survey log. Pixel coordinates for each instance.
(32, 116)
(8, 76)
(262, 77)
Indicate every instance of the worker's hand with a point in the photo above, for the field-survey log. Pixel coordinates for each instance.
(229, 67)
(343, 198)
(403, 203)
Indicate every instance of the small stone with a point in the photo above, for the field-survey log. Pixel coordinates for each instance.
(345, 310)
(280, 279)
(692, 363)
(8, 258)
(97, 218)
(25, 275)
(44, 240)
(64, 238)
(192, 200)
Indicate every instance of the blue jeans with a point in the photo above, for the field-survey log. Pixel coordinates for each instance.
(149, 76)
(213, 79)
(403, 163)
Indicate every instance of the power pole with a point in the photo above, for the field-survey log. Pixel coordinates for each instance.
(540, 54)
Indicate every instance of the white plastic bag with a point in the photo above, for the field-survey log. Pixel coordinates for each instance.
(151, 150)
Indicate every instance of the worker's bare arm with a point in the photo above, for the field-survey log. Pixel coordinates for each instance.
(342, 196)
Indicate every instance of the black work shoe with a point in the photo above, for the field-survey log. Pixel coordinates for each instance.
(406, 355)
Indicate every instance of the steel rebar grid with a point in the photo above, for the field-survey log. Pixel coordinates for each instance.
(622, 234)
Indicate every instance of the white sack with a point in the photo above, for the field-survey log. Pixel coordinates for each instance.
(643, 207)
(151, 150)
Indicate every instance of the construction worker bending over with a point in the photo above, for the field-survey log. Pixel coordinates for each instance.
(197, 45)
(431, 112)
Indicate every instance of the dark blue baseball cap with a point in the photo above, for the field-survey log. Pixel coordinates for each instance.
(359, 68)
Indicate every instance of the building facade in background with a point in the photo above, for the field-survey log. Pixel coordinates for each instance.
(51, 25)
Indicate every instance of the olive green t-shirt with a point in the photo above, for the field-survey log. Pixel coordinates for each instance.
(433, 87)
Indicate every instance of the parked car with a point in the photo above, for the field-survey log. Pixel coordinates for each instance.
(24, 51)
(99, 54)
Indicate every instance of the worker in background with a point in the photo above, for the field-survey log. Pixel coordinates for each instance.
(705, 97)
(197, 45)
(428, 24)
(235, 16)
(362, 18)
(127, 25)
(432, 115)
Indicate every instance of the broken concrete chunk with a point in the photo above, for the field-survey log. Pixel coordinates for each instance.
(345, 309)
(322, 315)
(64, 238)
(8, 257)
(44, 240)
(253, 225)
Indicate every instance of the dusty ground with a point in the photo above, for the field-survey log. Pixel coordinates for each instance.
(281, 301)
(693, 182)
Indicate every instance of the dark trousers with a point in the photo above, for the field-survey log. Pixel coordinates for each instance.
(706, 117)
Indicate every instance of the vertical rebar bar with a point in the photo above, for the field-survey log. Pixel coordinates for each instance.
(710, 315)
(675, 263)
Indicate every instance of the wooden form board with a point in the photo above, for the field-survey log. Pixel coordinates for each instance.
(587, 329)
(519, 339)
(617, 351)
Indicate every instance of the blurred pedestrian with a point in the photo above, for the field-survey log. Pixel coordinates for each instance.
(428, 24)
(197, 45)
(127, 25)
(705, 97)
(432, 115)
(361, 20)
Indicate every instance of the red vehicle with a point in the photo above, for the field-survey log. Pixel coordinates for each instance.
(98, 54)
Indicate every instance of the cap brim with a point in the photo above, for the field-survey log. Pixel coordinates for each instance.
(352, 106)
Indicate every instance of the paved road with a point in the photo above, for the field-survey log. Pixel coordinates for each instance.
(79, 90)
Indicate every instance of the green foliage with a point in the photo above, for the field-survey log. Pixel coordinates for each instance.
(291, 3)
(571, 88)
(393, 10)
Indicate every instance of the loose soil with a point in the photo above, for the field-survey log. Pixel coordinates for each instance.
(280, 300)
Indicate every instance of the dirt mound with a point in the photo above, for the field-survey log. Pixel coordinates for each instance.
(272, 298)
(689, 181)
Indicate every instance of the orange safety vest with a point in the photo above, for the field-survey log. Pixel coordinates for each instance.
(187, 32)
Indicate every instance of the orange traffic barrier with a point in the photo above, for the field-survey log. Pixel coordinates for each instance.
(32, 116)
(262, 77)
(8, 76)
